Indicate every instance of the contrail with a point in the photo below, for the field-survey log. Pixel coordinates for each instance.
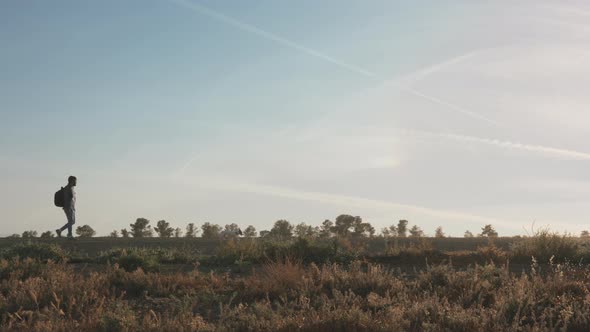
(271, 36)
(419, 74)
(545, 150)
(405, 82)
(187, 164)
(571, 154)
(454, 107)
(409, 78)
(309, 51)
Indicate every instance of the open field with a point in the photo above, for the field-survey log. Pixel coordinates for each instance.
(313, 285)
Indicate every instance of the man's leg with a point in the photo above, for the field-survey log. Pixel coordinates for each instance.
(71, 223)
(71, 215)
(62, 228)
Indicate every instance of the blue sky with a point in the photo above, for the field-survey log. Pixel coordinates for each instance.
(450, 113)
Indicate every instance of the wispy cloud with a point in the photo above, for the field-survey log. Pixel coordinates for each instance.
(224, 183)
(567, 9)
(321, 55)
(381, 136)
(405, 85)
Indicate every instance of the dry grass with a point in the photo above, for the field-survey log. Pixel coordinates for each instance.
(546, 245)
(300, 286)
(288, 295)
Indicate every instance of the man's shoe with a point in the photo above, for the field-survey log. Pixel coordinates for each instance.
(58, 231)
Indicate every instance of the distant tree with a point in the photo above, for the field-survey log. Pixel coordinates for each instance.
(362, 229)
(390, 231)
(47, 235)
(177, 232)
(282, 229)
(345, 223)
(191, 231)
(315, 231)
(468, 234)
(585, 234)
(163, 229)
(29, 234)
(14, 236)
(304, 230)
(141, 228)
(114, 234)
(210, 231)
(264, 233)
(124, 233)
(416, 231)
(300, 230)
(326, 229)
(489, 231)
(85, 231)
(250, 231)
(439, 232)
(402, 228)
(232, 227)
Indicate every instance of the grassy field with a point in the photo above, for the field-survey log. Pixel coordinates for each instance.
(449, 284)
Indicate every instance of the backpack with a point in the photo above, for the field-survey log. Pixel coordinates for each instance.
(59, 199)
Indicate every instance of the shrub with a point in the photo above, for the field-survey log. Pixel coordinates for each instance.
(134, 261)
(118, 317)
(40, 251)
(131, 259)
(47, 235)
(147, 258)
(85, 231)
(301, 249)
(544, 245)
(29, 234)
(21, 269)
(492, 254)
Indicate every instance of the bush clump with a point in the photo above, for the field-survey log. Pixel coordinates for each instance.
(301, 249)
(160, 255)
(131, 259)
(39, 251)
(545, 246)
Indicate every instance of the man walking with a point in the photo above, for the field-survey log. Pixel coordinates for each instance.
(69, 206)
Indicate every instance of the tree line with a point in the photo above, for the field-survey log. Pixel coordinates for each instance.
(82, 231)
(343, 226)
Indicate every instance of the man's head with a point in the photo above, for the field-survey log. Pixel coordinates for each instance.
(72, 181)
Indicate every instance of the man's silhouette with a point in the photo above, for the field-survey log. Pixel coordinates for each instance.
(69, 206)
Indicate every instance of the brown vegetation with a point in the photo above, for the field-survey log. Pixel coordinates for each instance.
(287, 296)
(330, 285)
